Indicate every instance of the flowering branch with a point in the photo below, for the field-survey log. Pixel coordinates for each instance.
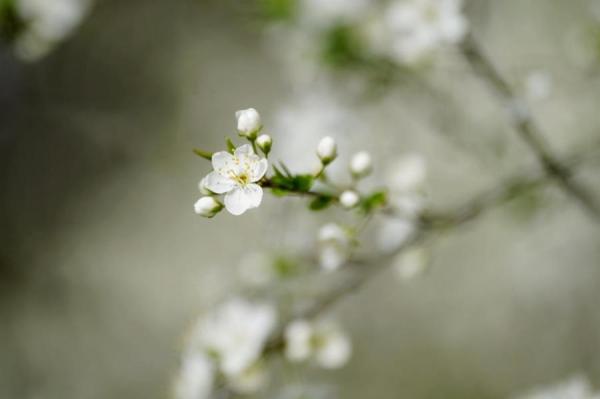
(527, 127)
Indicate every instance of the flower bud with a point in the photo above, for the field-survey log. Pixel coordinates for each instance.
(349, 199)
(264, 142)
(327, 150)
(361, 164)
(207, 207)
(248, 122)
(202, 186)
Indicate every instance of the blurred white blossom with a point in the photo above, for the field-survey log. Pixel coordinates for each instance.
(235, 334)
(48, 22)
(250, 380)
(361, 164)
(334, 246)
(349, 199)
(576, 387)
(321, 341)
(411, 262)
(236, 176)
(196, 377)
(327, 149)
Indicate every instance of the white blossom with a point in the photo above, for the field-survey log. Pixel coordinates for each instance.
(327, 149)
(349, 199)
(576, 387)
(249, 381)
(196, 378)
(264, 142)
(207, 207)
(361, 164)
(416, 28)
(407, 173)
(47, 22)
(393, 232)
(334, 246)
(321, 341)
(235, 333)
(202, 186)
(248, 122)
(236, 176)
(411, 262)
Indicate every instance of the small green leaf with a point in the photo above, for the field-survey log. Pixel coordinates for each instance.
(203, 154)
(321, 202)
(297, 183)
(230, 145)
(373, 201)
(284, 267)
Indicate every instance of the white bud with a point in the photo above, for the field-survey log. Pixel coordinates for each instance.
(361, 164)
(202, 186)
(264, 142)
(349, 199)
(327, 149)
(207, 207)
(248, 122)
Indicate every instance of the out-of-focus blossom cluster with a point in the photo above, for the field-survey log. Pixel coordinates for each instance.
(576, 387)
(226, 349)
(37, 26)
(371, 34)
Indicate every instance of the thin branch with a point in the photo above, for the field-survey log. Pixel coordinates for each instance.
(527, 128)
(429, 225)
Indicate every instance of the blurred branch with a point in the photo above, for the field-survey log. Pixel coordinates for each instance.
(429, 225)
(527, 128)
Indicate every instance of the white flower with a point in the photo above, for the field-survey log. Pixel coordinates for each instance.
(207, 207)
(322, 341)
(249, 381)
(47, 22)
(248, 122)
(576, 387)
(349, 199)
(411, 262)
(236, 176)
(333, 246)
(264, 142)
(202, 186)
(327, 149)
(361, 164)
(418, 27)
(393, 233)
(196, 378)
(236, 333)
(407, 174)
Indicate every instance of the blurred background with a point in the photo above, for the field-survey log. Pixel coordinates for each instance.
(103, 263)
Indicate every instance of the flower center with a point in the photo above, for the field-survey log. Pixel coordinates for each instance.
(242, 178)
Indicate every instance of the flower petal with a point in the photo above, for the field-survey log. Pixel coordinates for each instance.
(240, 199)
(259, 169)
(236, 201)
(221, 160)
(255, 193)
(243, 151)
(219, 184)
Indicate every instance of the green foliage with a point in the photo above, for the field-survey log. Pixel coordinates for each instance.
(278, 10)
(10, 23)
(342, 47)
(284, 267)
(285, 182)
(203, 154)
(230, 145)
(373, 201)
(321, 202)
